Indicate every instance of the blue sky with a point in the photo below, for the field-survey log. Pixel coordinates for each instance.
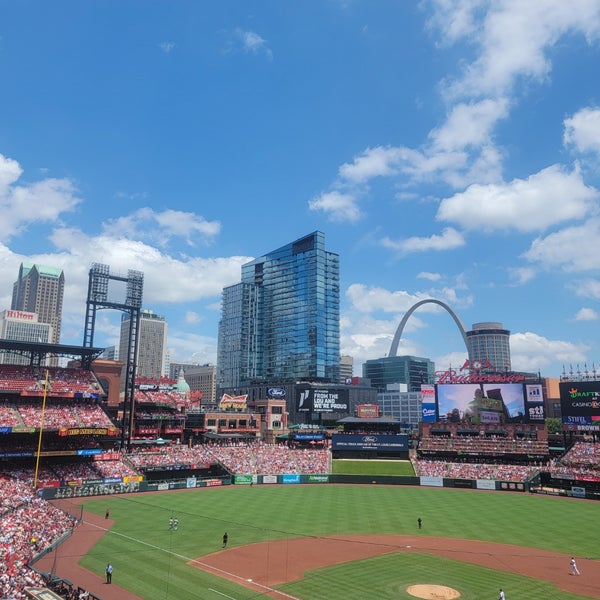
(447, 149)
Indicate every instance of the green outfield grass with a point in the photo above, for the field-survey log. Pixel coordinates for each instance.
(373, 467)
(151, 561)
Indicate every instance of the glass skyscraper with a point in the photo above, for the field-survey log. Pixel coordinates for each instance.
(282, 322)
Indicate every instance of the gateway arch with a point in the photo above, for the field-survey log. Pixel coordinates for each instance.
(411, 310)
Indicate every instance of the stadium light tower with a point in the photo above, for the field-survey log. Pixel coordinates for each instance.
(123, 293)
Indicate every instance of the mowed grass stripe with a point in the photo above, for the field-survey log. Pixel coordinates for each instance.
(263, 513)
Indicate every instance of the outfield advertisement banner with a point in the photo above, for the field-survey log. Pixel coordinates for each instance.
(371, 441)
(432, 481)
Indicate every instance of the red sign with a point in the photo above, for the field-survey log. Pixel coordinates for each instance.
(452, 376)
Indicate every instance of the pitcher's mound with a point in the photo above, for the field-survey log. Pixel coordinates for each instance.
(433, 592)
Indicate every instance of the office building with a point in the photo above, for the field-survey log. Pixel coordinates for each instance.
(151, 344)
(201, 378)
(401, 404)
(346, 369)
(281, 323)
(410, 370)
(40, 289)
(488, 345)
(23, 327)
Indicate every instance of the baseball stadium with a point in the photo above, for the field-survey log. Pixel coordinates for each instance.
(184, 510)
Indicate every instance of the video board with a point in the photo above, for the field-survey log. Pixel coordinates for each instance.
(490, 403)
(580, 405)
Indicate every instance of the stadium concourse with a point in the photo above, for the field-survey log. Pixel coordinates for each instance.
(57, 436)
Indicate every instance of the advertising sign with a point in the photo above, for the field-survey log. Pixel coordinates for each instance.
(322, 399)
(369, 441)
(534, 403)
(367, 411)
(429, 413)
(580, 405)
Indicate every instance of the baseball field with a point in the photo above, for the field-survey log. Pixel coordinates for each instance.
(337, 542)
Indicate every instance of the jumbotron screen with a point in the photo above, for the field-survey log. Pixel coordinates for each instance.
(580, 405)
(490, 403)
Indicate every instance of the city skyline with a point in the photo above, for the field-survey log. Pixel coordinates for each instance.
(447, 150)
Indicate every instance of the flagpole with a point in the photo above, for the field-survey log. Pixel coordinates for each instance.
(39, 449)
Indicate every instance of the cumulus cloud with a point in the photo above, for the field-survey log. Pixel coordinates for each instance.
(546, 198)
(513, 39)
(338, 206)
(160, 227)
(531, 352)
(38, 202)
(586, 314)
(582, 130)
(448, 240)
(469, 124)
(571, 249)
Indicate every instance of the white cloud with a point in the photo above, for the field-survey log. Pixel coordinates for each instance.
(449, 240)
(587, 288)
(522, 275)
(39, 202)
(582, 130)
(375, 162)
(167, 47)
(160, 227)
(586, 314)
(531, 352)
(369, 299)
(469, 124)
(571, 249)
(546, 198)
(429, 276)
(252, 43)
(339, 207)
(514, 38)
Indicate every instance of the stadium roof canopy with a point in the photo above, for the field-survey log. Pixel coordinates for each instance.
(38, 351)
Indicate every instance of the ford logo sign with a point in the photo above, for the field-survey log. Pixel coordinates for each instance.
(369, 439)
(276, 392)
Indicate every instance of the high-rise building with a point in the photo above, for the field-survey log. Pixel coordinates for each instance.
(410, 370)
(346, 368)
(282, 321)
(151, 344)
(202, 378)
(488, 344)
(40, 289)
(24, 327)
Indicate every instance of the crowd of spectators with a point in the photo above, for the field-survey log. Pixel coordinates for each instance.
(488, 445)
(582, 459)
(459, 470)
(28, 525)
(61, 381)
(59, 413)
(237, 457)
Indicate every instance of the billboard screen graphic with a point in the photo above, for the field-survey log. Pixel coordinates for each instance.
(322, 399)
(369, 441)
(491, 403)
(580, 405)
